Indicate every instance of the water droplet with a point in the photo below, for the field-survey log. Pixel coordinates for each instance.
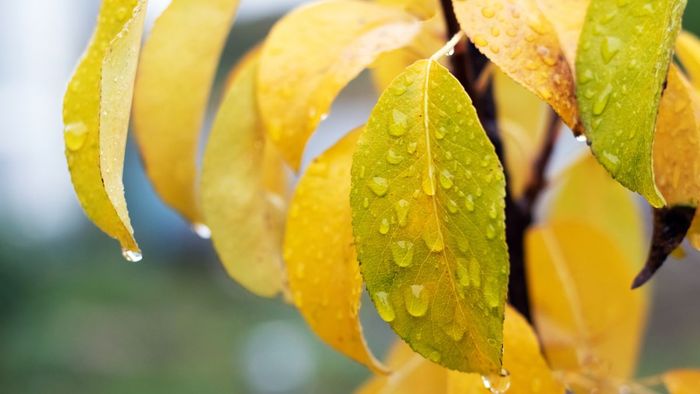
(611, 161)
(452, 206)
(586, 76)
(392, 157)
(365, 202)
(202, 230)
(411, 147)
(462, 272)
(480, 41)
(384, 226)
(581, 138)
(475, 272)
(491, 292)
(131, 255)
(401, 209)
(490, 232)
(75, 135)
(379, 186)
(416, 300)
(493, 211)
(469, 203)
(610, 47)
(402, 251)
(497, 383)
(399, 123)
(488, 12)
(429, 183)
(602, 100)
(446, 179)
(433, 240)
(384, 308)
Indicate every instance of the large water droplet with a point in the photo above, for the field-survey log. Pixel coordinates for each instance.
(402, 252)
(401, 209)
(602, 101)
(75, 135)
(384, 308)
(379, 186)
(433, 240)
(384, 226)
(446, 179)
(429, 183)
(411, 147)
(497, 383)
(399, 123)
(610, 47)
(392, 157)
(131, 255)
(416, 300)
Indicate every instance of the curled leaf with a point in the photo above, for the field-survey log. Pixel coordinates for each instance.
(312, 53)
(325, 279)
(172, 89)
(517, 37)
(244, 189)
(427, 201)
(96, 117)
(620, 73)
(567, 17)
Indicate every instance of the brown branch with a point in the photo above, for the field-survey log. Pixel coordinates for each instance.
(538, 181)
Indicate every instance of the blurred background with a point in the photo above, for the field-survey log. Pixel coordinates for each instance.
(75, 317)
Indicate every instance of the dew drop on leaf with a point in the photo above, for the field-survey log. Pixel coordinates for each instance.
(399, 123)
(75, 135)
(384, 226)
(402, 252)
(392, 157)
(602, 101)
(379, 186)
(401, 209)
(384, 308)
(497, 383)
(416, 300)
(131, 256)
(611, 46)
(446, 179)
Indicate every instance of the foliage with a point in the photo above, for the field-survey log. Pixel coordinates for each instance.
(438, 203)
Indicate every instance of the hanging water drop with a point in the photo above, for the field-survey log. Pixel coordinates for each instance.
(131, 255)
(497, 383)
(202, 230)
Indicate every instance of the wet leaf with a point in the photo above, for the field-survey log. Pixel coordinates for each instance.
(422, 8)
(688, 50)
(589, 322)
(567, 17)
(523, 129)
(620, 72)
(671, 224)
(318, 248)
(244, 189)
(682, 381)
(312, 53)
(518, 38)
(96, 117)
(428, 218)
(172, 90)
(528, 371)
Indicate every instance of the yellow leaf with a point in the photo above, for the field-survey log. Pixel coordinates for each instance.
(311, 54)
(523, 119)
(677, 142)
(518, 38)
(567, 18)
(527, 370)
(688, 51)
(682, 381)
(620, 73)
(96, 118)
(428, 216)
(589, 321)
(325, 279)
(421, 8)
(172, 89)
(244, 189)
(587, 194)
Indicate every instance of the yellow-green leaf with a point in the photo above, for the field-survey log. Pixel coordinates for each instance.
(172, 89)
(587, 194)
(422, 8)
(523, 120)
(96, 117)
(324, 275)
(312, 53)
(589, 321)
(682, 381)
(428, 217)
(517, 37)
(244, 189)
(688, 50)
(620, 72)
(567, 18)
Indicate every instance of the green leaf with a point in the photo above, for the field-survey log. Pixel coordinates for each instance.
(621, 67)
(427, 202)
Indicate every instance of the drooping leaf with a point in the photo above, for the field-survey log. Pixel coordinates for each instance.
(587, 194)
(620, 72)
(428, 218)
(244, 189)
(589, 322)
(527, 370)
(671, 224)
(312, 53)
(96, 117)
(172, 89)
(320, 255)
(518, 38)
(522, 118)
(688, 50)
(682, 381)
(566, 16)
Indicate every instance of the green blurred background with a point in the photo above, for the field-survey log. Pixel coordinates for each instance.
(75, 317)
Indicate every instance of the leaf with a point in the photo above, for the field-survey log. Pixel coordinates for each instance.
(587, 194)
(567, 17)
(517, 37)
(671, 224)
(325, 279)
(682, 381)
(427, 201)
(422, 8)
(522, 358)
(172, 89)
(311, 54)
(688, 51)
(588, 320)
(620, 74)
(523, 129)
(96, 118)
(244, 189)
